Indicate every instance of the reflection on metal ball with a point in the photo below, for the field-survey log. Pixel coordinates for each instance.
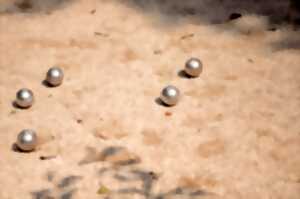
(27, 140)
(54, 76)
(170, 95)
(24, 98)
(193, 67)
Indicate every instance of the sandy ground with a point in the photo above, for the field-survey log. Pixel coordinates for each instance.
(235, 133)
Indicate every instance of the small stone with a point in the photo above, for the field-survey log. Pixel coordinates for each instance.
(47, 157)
(103, 190)
(234, 16)
(168, 113)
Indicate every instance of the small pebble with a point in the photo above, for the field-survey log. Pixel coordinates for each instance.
(47, 157)
(234, 16)
(168, 113)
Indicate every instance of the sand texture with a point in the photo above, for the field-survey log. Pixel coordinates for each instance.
(103, 133)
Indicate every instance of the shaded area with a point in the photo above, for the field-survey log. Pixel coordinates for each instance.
(46, 84)
(63, 190)
(33, 6)
(42, 194)
(171, 13)
(118, 156)
(147, 179)
(132, 180)
(159, 102)
(48, 194)
(67, 195)
(216, 11)
(183, 191)
(67, 181)
(110, 151)
(184, 75)
(16, 148)
(16, 106)
(142, 182)
(244, 16)
(288, 43)
(294, 12)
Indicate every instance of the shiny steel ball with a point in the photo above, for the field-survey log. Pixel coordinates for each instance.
(24, 98)
(193, 67)
(27, 140)
(170, 95)
(54, 76)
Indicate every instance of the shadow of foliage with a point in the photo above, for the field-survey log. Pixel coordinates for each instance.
(33, 6)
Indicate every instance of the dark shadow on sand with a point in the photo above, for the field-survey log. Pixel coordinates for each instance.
(184, 75)
(173, 13)
(46, 84)
(159, 102)
(211, 12)
(33, 6)
(288, 43)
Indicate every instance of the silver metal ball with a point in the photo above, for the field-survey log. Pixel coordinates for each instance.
(24, 98)
(193, 67)
(170, 95)
(27, 140)
(54, 76)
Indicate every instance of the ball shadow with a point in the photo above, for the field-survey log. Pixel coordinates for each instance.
(184, 75)
(16, 106)
(161, 103)
(46, 84)
(15, 148)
